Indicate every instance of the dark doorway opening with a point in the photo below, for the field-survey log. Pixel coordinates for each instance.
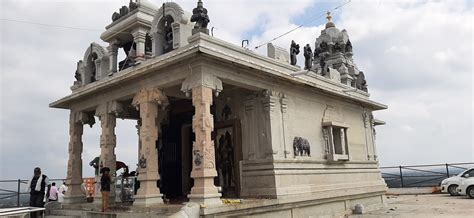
(175, 152)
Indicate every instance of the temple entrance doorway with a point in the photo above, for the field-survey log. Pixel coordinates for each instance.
(175, 149)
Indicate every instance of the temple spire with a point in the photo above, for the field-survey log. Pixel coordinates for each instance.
(329, 18)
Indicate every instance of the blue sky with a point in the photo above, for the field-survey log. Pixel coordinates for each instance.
(417, 56)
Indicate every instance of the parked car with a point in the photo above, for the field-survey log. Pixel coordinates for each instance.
(451, 184)
(467, 186)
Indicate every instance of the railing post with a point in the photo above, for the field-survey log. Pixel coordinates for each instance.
(447, 170)
(401, 175)
(18, 194)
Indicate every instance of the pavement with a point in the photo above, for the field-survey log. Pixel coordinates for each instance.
(424, 205)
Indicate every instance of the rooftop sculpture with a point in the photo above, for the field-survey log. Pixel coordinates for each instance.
(332, 57)
(201, 18)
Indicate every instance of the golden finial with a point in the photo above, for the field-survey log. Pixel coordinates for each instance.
(329, 17)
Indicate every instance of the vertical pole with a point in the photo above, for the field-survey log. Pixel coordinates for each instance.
(447, 170)
(401, 175)
(18, 194)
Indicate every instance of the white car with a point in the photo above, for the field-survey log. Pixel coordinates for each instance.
(467, 187)
(451, 184)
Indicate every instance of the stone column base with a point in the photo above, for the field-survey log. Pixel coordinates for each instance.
(148, 200)
(98, 199)
(207, 199)
(74, 199)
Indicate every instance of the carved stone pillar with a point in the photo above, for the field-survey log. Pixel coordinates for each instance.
(251, 129)
(147, 101)
(107, 113)
(204, 167)
(113, 52)
(74, 164)
(139, 37)
(273, 143)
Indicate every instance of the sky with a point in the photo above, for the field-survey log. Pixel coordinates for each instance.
(417, 57)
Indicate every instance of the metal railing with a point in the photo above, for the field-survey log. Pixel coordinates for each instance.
(421, 175)
(18, 191)
(15, 189)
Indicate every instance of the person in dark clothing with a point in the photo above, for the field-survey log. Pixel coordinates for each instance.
(37, 187)
(105, 182)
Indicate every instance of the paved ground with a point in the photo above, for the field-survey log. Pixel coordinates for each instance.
(425, 205)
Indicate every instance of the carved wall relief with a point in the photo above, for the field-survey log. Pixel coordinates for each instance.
(301, 147)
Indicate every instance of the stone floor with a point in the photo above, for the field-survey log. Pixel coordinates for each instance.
(425, 205)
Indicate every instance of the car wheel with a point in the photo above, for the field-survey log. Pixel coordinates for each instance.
(470, 192)
(452, 190)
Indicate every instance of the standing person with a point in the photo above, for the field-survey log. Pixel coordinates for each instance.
(105, 188)
(37, 187)
(53, 192)
(62, 192)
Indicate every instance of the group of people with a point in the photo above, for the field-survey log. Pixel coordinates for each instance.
(42, 191)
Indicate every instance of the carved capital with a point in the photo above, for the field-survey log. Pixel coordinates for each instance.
(113, 48)
(150, 95)
(112, 107)
(139, 35)
(269, 99)
(201, 79)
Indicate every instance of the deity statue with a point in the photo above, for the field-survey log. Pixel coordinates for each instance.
(77, 75)
(348, 46)
(93, 67)
(168, 46)
(200, 17)
(226, 162)
(294, 50)
(308, 56)
(132, 5)
(361, 83)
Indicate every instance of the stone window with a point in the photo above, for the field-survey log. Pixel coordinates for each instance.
(335, 137)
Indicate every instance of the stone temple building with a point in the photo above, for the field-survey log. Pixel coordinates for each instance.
(218, 121)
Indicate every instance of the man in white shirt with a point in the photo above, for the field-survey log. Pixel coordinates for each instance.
(62, 192)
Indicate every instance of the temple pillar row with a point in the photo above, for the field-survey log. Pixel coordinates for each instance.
(147, 102)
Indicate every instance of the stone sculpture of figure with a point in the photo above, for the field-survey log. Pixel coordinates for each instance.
(77, 75)
(294, 50)
(115, 16)
(226, 112)
(95, 163)
(132, 5)
(123, 11)
(361, 83)
(168, 46)
(130, 53)
(200, 16)
(308, 56)
(93, 67)
(348, 46)
(323, 51)
(301, 147)
(337, 47)
(148, 44)
(226, 161)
